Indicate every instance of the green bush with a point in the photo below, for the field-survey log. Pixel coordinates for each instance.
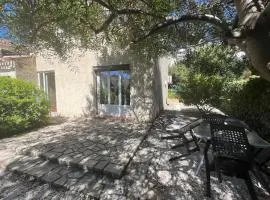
(230, 89)
(22, 106)
(251, 104)
(204, 74)
(215, 59)
(202, 91)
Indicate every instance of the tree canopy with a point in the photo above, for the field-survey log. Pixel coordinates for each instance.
(156, 26)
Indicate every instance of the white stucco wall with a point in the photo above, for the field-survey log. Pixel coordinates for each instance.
(75, 81)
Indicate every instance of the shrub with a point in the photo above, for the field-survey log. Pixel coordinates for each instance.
(204, 73)
(215, 59)
(251, 104)
(230, 89)
(22, 106)
(202, 91)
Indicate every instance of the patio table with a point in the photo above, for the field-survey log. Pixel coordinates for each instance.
(203, 132)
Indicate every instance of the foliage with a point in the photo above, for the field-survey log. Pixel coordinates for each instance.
(205, 73)
(229, 90)
(172, 93)
(22, 106)
(62, 25)
(213, 59)
(251, 105)
(202, 91)
(179, 72)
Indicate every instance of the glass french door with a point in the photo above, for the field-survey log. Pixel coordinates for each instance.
(113, 90)
(47, 84)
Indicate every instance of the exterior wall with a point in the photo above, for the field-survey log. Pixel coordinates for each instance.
(160, 86)
(76, 81)
(14, 65)
(19, 67)
(163, 65)
(141, 79)
(26, 69)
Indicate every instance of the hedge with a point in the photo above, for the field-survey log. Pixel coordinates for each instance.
(22, 106)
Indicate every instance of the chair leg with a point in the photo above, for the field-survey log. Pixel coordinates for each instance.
(195, 139)
(260, 178)
(218, 171)
(199, 166)
(250, 187)
(208, 183)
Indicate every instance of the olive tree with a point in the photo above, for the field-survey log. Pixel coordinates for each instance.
(156, 26)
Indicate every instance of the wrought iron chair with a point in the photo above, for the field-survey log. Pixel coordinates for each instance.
(262, 159)
(181, 133)
(231, 155)
(184, 140)
(214, 118)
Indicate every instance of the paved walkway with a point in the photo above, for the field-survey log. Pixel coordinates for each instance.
(148, 176)
(102, 145)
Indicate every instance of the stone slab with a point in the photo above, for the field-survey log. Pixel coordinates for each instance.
(99, 167)
(114, 170)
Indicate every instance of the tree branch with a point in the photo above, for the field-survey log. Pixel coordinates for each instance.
(137, 11)
(117, 13)
(102, 3)
(197, 17)
(105, 24)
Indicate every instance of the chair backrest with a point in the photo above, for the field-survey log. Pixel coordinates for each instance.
(230, 142)
(190, 125)
(214, 118)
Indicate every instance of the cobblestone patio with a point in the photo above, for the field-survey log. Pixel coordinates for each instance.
(102, 145)
(148, 176)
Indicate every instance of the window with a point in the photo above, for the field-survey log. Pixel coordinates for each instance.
(47, 83)
(114, 87)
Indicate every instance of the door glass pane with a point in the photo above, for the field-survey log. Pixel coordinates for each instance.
(51, 90)
(125, 88)
(114, 87)
(47, 83)
(41, 81)
(104, 87)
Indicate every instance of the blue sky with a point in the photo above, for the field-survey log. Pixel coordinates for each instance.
(3, 29)
(3, 32)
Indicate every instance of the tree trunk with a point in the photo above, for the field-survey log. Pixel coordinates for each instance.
(255, 29)
(258, 51)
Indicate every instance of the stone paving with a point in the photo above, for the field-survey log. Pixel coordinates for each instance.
(105, 146)
(148, 176)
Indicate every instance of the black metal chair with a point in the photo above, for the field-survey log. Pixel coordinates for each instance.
(181, 133)
(262, 159)
(232, 155)
(214, 118)
(184, 140)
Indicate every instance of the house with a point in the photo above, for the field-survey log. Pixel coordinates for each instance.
(16, 64)
(105, 82)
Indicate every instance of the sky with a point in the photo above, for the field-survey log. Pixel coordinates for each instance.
(3, 32)
(3, 29)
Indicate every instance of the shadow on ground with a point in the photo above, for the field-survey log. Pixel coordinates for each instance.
(149, 176)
